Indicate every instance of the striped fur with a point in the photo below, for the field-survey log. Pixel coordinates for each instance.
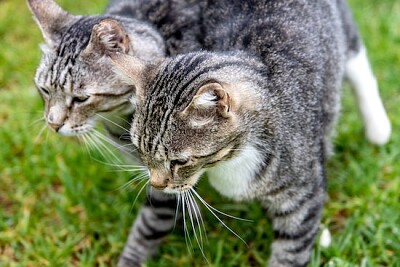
(256, 113)
(206, 111)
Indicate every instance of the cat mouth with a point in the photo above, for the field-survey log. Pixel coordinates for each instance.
(67, 130)
(177, 189)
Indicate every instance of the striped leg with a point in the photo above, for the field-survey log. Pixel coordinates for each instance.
(155, 220)
(296, 222)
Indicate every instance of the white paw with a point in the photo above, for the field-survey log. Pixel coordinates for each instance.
(378, 130)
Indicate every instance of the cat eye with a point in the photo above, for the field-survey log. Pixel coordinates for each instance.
(179, 162)
(44, 90)
(80, 99)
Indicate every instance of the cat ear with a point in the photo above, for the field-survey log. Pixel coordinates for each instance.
(131, 70)
(51, 18)
(212, 96)
(107, 37)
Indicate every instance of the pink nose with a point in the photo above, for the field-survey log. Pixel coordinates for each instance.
(159, 186)
(55, 126)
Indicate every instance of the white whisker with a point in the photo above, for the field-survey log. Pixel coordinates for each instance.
(218, 211)
(40, 133)
(215, 215)
(37, 121)
(140, 191)
(178, 201)
(185, 230)
(112, 122)
(199, 218)
(134, 179)
(99, 137)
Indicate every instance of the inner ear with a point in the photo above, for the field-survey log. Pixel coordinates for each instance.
(212, 97)
(107, 37)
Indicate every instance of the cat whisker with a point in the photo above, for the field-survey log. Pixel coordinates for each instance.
(95, 143)
(126, 167)
(140, 191)
(112, 122)
(37, 121)
(111, 155)
(192, 218)
(124, 120)
(85, 141)
(218, 211)
(198, 214)
(185, 230)
(134, 179)
(178, 202)
(40, 133)
(211, 209)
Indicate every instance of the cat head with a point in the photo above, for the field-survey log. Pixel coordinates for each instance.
(75, 77)
(193, 111)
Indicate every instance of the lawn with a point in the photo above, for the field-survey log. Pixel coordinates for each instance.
(61, 206)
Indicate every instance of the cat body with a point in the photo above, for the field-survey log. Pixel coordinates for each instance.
(256, 115)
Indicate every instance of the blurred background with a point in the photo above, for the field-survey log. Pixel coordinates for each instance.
(61, 206)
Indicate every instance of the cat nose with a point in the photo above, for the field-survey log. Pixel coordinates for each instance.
(55, 126)
(158, 186)
(158, 179)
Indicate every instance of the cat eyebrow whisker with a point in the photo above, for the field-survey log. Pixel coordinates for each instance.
(211, 209)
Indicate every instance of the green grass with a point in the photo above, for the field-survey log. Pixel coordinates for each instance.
(61, 207)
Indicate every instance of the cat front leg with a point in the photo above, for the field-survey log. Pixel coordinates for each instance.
(155, 220)
(296, 218)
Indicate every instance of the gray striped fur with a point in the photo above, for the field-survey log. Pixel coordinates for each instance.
(256, 114)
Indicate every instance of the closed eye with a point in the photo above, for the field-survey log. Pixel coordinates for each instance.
(179, 162)
(44, 90)
(80, 99)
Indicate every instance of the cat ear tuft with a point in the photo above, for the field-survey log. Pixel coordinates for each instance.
(107, 37)
(213, 96)
(51, 18)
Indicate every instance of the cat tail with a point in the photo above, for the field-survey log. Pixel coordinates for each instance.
(358, 72)
(376, 122)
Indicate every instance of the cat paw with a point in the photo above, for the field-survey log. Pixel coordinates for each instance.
(378, 133)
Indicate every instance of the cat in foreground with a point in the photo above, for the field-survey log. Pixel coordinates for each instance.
(256, 116)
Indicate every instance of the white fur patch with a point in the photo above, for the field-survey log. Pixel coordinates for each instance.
(232, 178)
(377, 124)
(206, 100)
(325, 239)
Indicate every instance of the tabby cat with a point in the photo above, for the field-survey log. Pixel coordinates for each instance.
(79, 88)
(256, 115)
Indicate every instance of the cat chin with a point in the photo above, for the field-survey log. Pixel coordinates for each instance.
(173, 191)
(66, 130)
